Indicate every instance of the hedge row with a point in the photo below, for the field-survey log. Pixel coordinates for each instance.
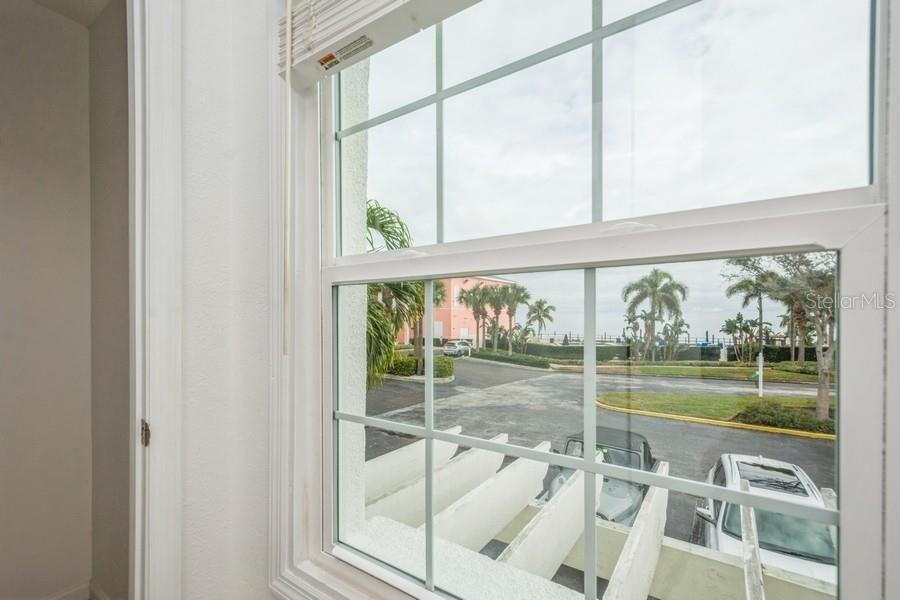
(783, 353)
(695, 353)
(773, 414)
(810, 368)
(621, 352)
(405, 366)
(514, 358)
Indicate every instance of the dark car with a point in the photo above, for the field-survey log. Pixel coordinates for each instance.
(618, 501)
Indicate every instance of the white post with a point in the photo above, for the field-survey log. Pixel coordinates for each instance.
(633, 574)
(759, 369)
(753, 576)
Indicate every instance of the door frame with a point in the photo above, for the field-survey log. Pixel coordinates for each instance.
(155, 257)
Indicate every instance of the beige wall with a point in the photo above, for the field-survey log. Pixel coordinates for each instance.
(45, 354)
(109, 298)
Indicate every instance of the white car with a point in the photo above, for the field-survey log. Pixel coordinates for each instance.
(457, 348)
(789, 543)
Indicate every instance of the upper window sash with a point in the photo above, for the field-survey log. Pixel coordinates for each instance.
(611, 244)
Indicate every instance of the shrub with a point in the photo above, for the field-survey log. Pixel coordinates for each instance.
(443, 366)
(808, 368)
(773, 414)
(516, 359)
(405, 366)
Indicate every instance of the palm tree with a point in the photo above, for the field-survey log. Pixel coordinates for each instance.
(496, 299)
(482, 295)
(664, 295)
(631, 333)
(521, 334)
(475, 299)
(388, 305)
(540, 313)
(672, 333)
(812, 276)
(797, 321)
(739, 331)
(387, 225)
(752, 282)
(439, 295)
(467, 298)
(515, 295)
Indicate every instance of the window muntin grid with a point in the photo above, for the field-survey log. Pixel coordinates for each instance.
(619, 198)
(430, 432)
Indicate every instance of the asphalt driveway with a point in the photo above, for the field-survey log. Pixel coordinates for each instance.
(532, 406)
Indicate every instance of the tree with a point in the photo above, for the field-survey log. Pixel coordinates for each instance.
(664, 296)
(540, 313)
(496, 300)
(467, 297)
(484, 293)
(753, 282)
(387, 305)
(812, 276)
(387, 225)
(740, 331)
(786, 321)
(521, 333)
(796, 319)
(672, 333)
(631, 333)
(515, 295)
(439, 294)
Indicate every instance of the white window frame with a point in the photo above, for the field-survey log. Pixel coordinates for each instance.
(305, 561)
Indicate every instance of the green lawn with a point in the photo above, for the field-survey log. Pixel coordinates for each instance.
(737, 373)
(709, 406)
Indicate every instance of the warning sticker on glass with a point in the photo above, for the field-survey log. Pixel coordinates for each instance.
(333, 59)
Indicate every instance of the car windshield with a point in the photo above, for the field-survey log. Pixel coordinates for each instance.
(611, 456)
(773, 478)
(786, 534)
(450, 345)
(619, 457)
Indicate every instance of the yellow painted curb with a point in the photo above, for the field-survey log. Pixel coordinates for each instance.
(703, 421)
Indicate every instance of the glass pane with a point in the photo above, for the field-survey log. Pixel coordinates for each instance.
(381, 495)
(613, 10)
(379, 366)
(518, 151)
(678, 351)
(727, 101)
(496, 534)
(500, 385)
(389, 79)
(493, 33)
(388, 185)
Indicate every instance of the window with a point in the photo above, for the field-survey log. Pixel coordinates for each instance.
(655, 234)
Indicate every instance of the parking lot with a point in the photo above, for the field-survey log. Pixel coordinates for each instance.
(533, 405)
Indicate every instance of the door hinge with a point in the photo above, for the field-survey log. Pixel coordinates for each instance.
(145, 433)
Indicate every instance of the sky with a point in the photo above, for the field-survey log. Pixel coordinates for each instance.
(720, 102)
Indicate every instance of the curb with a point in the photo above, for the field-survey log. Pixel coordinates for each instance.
(704, 421)
(419, 378)
(507, 364)
(580, 369)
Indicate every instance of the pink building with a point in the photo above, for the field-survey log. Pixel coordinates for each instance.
(452, 320)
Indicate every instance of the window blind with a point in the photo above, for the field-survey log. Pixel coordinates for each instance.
(329, 35)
